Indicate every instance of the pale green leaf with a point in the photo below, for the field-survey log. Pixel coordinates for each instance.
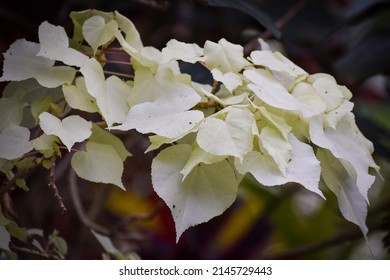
(231, 136)
(225, 56)
(348, 144)
(167, 116)
(163, 121)
(205, 193)
(61, 246)
(97, 32)
(352, 203)
(273, 93)
(276, 146)
(334, 116)
(70, 130)
(30, 90)
(21, 183)
(99, 163)
(11, 112)
(107, 245)
(230, 80)
(303, 168)
(102, 136)
(198, 156)
(156, 141)
(131, 33)
(307, 95)
(40, 105)
(149, 57)
(176, 50)
(21, 62)
(111, 94)
(78, 97)
(274, 121)
(277, 62)
(45, 144)
(149, 86)
(54, 45)
(327, 88)
(14, 142)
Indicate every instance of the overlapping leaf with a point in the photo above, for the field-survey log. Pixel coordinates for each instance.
(207, 191)
(21, 62)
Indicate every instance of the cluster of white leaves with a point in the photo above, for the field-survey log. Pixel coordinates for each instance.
(264, 115)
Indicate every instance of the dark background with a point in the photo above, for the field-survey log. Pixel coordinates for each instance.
(347, 39)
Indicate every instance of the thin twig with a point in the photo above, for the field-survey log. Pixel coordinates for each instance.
(85, 219)
(117, 62)
(74, 194)
(118, 74)
(34, 252)
(53, 186)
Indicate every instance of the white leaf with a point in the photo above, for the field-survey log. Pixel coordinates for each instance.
(206, 192)
(307, 95)
(276, 62)
(224, 56)
(328, 89)
(352, 204)
(111, 94)
(199, 156)
(70, 130)
(347, 144)
(271, 91)
(232, 136)
(176, 50)
(274, 121)
(102, 136)
(166, 116)
(21, 62)
(276, 146)
(131, 33)
(99, 163)
(14, 142)
(304, 168)
(78, 97)
(97, 32)
(152, 118)
(334, 116)
(230, 80)
(54, 44)
(11, 112)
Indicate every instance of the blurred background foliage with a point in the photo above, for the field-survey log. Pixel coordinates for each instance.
(349, 39)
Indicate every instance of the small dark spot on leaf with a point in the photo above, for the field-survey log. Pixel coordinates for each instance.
(173, 206)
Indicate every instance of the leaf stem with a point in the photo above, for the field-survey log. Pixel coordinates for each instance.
(53, 186)
(117, 62)
(118, 74)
